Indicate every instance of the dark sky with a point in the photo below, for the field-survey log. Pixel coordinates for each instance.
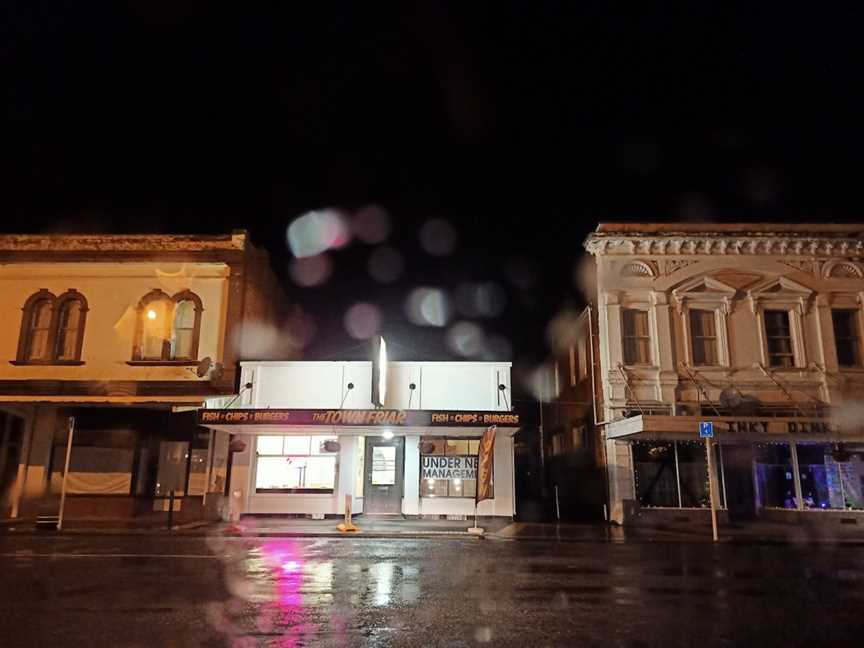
(521, 124)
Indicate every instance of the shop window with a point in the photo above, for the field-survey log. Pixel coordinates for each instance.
(171, 475)
(846, 337)
(52, 328)
(167, 328)
(654, 468)
(197, 472)
(93, 470)
(295, 464)
(636, 337)
(703, 337)
(674, 474)
(448, 467)
(778, 336)
(774, 476)
(831, 476)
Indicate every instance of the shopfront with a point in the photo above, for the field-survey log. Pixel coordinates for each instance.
(294, 459)
(795, 470)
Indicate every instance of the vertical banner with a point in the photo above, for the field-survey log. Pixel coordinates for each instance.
(484, 468)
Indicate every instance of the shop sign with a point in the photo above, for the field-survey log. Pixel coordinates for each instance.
(449, 467)
(356, 417)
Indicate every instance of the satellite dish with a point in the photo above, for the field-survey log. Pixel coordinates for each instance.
(730, 399)
(203, 367)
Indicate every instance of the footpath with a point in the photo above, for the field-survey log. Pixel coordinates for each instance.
(503, 530)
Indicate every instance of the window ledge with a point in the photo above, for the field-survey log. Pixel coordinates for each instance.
(46, 363)
(163, 363)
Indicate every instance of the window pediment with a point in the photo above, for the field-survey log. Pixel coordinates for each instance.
(706, 290)
(781, 290)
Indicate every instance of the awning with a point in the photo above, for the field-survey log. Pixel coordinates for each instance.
(731, 428)
(374, 421)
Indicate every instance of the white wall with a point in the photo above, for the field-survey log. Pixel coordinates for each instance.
(439, 385)
(243, 482)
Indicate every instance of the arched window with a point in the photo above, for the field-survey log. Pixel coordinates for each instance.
(52, 328)
(168, 327)
(71, 312)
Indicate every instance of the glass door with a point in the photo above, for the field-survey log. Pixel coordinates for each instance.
(384, 470)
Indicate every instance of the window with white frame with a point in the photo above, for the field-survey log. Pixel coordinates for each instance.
(636, 337)
(780, 305)
(703, 337)
(295, 464)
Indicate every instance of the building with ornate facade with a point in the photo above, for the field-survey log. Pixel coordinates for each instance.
(754, 328)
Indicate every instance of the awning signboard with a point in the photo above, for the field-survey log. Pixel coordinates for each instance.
(358, 418)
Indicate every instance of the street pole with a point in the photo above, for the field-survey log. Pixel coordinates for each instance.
(66, 472)
(712, 487)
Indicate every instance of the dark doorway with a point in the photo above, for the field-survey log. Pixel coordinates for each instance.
(738, 475)
(384, 472)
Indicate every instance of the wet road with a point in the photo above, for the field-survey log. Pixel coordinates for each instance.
(160, 591)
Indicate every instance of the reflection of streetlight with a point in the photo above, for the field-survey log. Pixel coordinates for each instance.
(151, 314)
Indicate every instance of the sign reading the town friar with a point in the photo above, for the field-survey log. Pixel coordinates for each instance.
(452, 467)
(358, 418)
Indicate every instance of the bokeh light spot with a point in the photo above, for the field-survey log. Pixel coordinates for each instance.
(371, 224)
(480, 299)
(386, 265)
(466, 339)
(438, 237)
(362, 321)
(310, 271)
(317, 231)
(428, 307)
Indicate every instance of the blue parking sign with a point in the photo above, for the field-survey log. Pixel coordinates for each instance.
(706, 430)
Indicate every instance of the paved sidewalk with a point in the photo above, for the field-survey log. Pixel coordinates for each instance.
(500, 529)
(751, 533)
(368, 527)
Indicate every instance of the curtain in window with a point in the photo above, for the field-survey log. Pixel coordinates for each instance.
(68, 330)
(183, 330)
(40, 329)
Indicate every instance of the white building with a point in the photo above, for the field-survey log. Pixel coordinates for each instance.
(311, 436)
(754, 327)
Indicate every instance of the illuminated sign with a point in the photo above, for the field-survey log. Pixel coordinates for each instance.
(357, 417)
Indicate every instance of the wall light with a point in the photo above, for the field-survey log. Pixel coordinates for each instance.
(151, 314)
(387, 434)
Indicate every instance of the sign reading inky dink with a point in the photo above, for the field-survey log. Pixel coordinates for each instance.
(706, 430)
(452, 467)
(358, 418)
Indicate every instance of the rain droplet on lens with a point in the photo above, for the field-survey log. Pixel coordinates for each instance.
(310, 271)
(386, 265)
(362, 321)
(371, 224)
(427, 306)
(438, 237)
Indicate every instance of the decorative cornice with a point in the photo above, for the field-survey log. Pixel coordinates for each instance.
(713, 245)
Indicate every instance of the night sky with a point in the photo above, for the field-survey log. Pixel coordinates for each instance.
(520, 124)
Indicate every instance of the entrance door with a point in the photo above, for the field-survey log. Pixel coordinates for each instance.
(383, 470)
(738, 474)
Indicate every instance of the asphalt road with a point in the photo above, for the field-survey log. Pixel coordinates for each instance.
(161, 591)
